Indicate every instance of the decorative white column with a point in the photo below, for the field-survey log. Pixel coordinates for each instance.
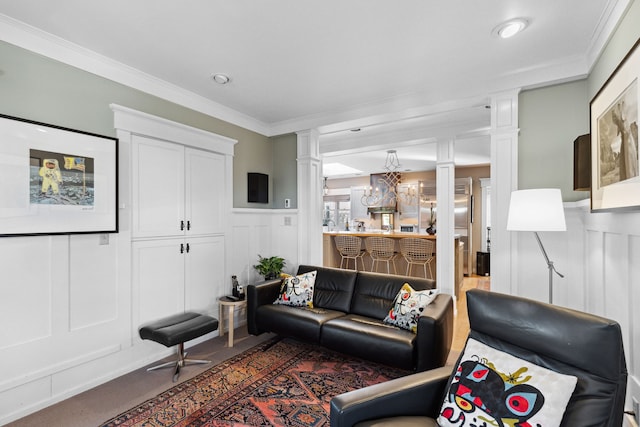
(445, 195)
(309, 198)
(504, 179)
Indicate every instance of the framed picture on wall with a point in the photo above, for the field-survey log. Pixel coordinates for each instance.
(56, 180)
(615, 159)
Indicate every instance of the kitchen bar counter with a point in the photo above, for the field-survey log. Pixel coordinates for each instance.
(331, 256)
(375, 233)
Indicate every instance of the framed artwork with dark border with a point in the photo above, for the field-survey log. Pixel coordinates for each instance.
(615, 162)
(56, 180)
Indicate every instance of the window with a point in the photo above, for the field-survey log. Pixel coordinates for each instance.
(337, 210)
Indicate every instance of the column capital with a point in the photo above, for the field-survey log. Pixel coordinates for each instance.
(445, 151)
(504, 111)
(308, 144)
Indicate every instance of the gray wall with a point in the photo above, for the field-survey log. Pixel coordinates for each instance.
(37, 88)
(285, 174)
(551, 118)
(627, 33)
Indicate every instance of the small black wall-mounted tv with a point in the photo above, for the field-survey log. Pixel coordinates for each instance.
(258, 187)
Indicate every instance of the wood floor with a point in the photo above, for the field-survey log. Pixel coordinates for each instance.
(461, 321)
(97, 405)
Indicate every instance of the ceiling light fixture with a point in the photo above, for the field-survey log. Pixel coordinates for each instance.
(385, 191)
(510, 28)
(221, 79)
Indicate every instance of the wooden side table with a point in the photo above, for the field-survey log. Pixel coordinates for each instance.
(231, 306)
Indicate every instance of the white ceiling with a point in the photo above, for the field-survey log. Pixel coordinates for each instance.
(405, 72)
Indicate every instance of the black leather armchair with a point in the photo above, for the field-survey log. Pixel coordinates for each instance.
(566, 341)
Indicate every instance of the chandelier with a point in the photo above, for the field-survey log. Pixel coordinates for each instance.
(385, 193)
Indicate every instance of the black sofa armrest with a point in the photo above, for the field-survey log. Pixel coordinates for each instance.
(418, 394)
(435, 333)
(260, 294)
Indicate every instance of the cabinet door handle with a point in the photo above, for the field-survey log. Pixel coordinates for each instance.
(181, 225)
(181, 248)
(188, 225)
(187, 248)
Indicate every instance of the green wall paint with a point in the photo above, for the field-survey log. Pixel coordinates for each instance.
(285, 174)
(621, 41)
(550, 119)
(38, 88)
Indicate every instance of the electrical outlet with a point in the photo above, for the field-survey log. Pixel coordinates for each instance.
(287, 220)
(104, 239)
(287, 203)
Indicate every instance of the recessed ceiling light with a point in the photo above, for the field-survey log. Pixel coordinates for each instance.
(220, 78)
(510, 28)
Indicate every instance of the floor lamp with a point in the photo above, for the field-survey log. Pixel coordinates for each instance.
(538, 210)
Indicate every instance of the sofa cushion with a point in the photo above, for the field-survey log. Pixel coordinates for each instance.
(374, 292)
(334, 287)
(495, 386)
(297, 291)
(298, 322)
(370, 339)
(408, 306)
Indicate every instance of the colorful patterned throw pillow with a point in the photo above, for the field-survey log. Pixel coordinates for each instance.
(408, 306)
(297, 291)
(494, 388)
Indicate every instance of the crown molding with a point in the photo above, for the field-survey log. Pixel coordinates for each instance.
(609, 21)
(398, 108)
(35, 40)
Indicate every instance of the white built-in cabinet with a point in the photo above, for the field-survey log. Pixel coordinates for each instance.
(177, 227)
(175, 275)
(177, 190)
(178, 204)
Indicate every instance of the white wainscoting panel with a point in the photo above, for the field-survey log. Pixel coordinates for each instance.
(599, 256)
(594, 291)
(266, 232)
(204, 274)
(25, 395)
(633, 304)
(158, 279)
(285, 237)
(25, 290)
(93, 284)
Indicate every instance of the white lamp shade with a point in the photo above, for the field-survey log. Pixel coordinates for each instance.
(536, 210)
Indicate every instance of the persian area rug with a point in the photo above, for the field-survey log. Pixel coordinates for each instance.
(277, 383)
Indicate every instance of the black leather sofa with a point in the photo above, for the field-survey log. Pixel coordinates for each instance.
(566, 341)
(349, 307)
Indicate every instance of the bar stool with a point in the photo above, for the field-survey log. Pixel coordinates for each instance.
(350, 247)
(381, 249)
(417, 252)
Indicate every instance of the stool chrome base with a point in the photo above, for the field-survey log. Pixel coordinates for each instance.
(177, 364)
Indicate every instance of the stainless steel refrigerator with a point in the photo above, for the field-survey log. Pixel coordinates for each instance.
(463, 214)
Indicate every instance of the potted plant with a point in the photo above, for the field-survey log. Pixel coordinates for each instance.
(269, 267)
